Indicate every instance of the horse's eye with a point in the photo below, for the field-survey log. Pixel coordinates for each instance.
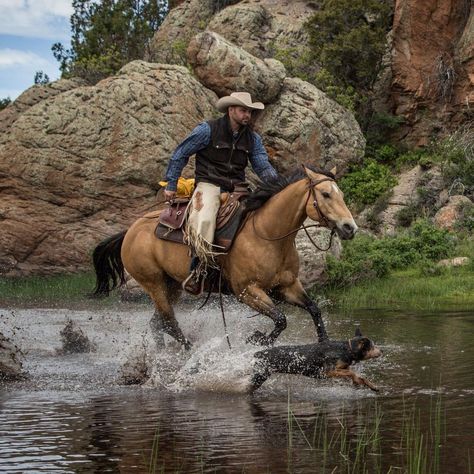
(325, 194)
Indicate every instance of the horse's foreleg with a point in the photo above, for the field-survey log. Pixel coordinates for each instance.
(296, 294)
(166, 323)
(257, 299)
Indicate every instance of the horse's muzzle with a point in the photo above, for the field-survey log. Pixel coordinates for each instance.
(346, 230)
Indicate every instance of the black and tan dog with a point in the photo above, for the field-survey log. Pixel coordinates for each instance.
(324, 359)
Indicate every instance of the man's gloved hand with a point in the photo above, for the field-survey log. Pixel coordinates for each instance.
(170, 195)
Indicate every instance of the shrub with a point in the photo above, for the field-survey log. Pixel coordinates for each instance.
(365, 184)
(5, 102)
(366, 257)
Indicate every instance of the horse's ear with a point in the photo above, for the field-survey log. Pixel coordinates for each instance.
(334, 171)
(357, 332)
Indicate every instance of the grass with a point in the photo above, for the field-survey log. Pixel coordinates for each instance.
(342, 446)
(73, 289)
(410, 289)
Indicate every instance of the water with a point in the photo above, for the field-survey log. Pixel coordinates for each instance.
(72, 415)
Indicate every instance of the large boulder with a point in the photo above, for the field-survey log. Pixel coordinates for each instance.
(264, 28)
(32, 96)
(83, 164)
(224, 68)
(448, 215)
(305, 125)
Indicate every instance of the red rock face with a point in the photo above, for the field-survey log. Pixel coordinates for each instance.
(432, 66)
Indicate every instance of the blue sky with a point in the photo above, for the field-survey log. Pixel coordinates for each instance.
(28, 29)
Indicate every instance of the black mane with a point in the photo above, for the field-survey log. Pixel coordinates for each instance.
(268, 189)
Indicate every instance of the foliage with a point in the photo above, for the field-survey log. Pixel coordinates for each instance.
(466, 218)
(5, 102)
(347, 38)
(108, 34)
(365, 184)
(456, 155)
(367, 257)
(41, 78)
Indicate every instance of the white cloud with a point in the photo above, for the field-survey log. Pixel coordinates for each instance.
(36, 18)
(14, 58)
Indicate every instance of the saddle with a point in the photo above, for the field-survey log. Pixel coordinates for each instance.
(229, 217)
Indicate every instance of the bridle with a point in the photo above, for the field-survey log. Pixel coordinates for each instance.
(322, 219)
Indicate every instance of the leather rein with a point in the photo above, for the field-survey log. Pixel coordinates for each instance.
(322, 218)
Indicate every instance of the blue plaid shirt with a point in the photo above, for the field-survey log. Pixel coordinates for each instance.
(199, 139)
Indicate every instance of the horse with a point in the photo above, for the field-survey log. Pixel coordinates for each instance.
(262, 260)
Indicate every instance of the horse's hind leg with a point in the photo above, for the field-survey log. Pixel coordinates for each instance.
(164, 320)
(257, 299)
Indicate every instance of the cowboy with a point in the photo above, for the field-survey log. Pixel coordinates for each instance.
(223, 148)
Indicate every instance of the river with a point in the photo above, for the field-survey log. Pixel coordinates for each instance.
(73, 415)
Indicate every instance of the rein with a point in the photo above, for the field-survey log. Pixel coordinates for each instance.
(322, 217)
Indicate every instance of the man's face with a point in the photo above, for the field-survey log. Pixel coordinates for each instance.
(240, 115)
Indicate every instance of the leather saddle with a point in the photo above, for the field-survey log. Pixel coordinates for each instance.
(229, 217)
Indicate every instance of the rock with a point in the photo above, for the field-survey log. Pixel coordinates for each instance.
(225, 68)
(454, 262)
(449, 214)
(312, 260)
(432, 67)
(74, 340)
(403, 194)
(261, 27)
(180, 25)
(11, 367)
(32, 96)
(84, 164)
(305, 125)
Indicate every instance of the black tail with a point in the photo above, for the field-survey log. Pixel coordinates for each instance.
(108, 265)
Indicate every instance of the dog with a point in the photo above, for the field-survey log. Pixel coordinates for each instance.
(323, 359)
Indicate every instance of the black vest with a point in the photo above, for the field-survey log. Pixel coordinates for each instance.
(224, 160)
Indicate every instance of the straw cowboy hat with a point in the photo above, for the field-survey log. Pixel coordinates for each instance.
(238, 98)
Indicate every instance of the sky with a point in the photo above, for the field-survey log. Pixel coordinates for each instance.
(28, 29)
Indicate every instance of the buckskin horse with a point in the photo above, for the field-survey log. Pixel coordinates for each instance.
(263, 257)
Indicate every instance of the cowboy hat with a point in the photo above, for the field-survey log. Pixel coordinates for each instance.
(238, 98)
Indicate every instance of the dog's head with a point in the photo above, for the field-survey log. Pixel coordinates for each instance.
(362, 347)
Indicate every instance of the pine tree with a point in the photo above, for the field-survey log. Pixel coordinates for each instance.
(108, 34)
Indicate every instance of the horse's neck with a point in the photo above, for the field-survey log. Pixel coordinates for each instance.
(284, 212)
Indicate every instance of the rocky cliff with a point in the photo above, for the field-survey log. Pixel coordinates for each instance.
(431, 68)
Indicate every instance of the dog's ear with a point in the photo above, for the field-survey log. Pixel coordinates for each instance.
(357, 332)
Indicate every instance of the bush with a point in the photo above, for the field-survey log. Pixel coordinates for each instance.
(5, 102)
(365, 184)
(366, 257)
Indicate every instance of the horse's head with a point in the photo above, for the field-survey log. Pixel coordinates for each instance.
(326, 205)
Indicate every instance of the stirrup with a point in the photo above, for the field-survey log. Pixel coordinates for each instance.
(194, 283)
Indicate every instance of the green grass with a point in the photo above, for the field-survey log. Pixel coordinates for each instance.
(410, 289)
(55, 290)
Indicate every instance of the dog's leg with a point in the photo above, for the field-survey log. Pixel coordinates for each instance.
(356, 379)
(295, 294)
(258, 379)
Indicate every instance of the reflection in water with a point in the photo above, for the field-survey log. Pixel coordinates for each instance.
(73, 417)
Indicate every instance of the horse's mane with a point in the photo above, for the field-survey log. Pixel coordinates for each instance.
(266, 190)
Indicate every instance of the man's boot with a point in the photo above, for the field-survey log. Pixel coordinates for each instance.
(194, 283)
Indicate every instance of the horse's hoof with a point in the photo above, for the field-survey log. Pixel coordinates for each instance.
(258, 338)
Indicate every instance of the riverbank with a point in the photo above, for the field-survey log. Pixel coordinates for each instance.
(403, 289)
(408, 289)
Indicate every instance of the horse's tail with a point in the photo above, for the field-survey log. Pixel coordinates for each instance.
(108, 265)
